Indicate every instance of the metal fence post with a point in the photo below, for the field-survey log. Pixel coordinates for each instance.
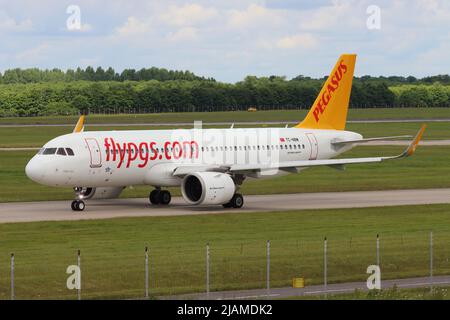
(146, 272)
(378, 250)
(79, 267)
(12, 277)
(431, 261)
(268, 269)
(207, 271)
(325, 266)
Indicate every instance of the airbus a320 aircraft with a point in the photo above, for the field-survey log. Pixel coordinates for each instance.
(210, 164)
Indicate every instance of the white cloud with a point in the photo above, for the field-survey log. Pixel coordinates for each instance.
(132, 27)
(338, 14)
(185, 34)
(188, 15)
(33, 54)
(304, 41)
(228, 39)
(254, 15)
(8, 24)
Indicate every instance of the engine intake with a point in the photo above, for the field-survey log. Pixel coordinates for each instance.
(207, 188)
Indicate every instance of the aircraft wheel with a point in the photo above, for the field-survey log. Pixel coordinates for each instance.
(78, 205)
(165, 197)
(237, 201)
(154, 196)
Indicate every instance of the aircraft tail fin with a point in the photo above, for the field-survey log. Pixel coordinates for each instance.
(329, 110)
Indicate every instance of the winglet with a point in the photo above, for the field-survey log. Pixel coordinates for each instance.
(79, 127)
(412, 147)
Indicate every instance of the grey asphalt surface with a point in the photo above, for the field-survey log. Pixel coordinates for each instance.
(116, 208)
(171, 124)
(286, 292)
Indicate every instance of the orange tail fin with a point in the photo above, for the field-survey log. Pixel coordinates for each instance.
(329, 111)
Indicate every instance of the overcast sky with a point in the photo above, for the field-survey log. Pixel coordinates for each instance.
(229, 39)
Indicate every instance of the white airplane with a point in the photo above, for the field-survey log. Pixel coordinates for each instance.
(210, 164)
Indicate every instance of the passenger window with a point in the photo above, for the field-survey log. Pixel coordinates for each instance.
(61, 152)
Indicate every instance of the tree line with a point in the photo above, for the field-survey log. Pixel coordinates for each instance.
(34, 75)
(122, 95)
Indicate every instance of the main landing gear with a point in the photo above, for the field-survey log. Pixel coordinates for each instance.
(236, 202)
(78, 205)
(159, 196)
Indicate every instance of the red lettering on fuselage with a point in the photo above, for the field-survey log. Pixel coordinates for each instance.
(143, 152)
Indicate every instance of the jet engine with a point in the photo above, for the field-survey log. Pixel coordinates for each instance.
(207, 188)
(85, 193)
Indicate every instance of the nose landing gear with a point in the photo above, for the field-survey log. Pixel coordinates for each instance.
(159, 196)
(78, 205)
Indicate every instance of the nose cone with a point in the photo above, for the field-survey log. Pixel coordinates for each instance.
(34, 171)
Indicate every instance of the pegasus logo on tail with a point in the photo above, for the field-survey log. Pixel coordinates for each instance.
(331, 86)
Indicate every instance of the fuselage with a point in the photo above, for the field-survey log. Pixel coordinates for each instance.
(148, 157)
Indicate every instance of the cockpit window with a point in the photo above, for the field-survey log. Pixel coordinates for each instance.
(69, 152)
(49, 151)
(61, 151)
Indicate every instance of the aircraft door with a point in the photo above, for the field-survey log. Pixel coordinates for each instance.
(94, 150)
(314, 146)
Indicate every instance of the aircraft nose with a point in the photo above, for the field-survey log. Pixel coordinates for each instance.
(33, 170)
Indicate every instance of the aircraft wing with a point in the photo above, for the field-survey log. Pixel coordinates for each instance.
(292, 165)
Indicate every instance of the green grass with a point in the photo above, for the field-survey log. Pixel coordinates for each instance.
(428, 168)
(38, 136)
(439, 293)
(113, 250)
(236, 116)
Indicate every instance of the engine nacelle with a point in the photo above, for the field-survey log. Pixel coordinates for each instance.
(86, 193)
(207, 188)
